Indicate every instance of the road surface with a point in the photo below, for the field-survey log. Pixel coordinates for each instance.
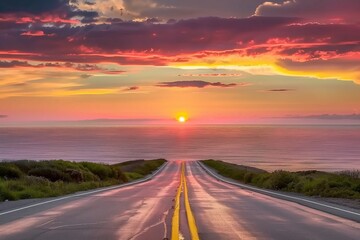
(146, 211)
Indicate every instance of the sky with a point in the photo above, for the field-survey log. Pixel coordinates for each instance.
(150, 61)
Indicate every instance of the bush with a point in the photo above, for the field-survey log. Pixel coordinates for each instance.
(102, 171)
(140, 167)
(25, 165)
(33, 180)
(9, 171)
(37, 179)
(5, 194)
(280, 179)
(313, 183)
(49, 173)
(75, 175)
(248, 177)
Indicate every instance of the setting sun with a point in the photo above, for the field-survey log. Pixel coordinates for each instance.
(181, 119)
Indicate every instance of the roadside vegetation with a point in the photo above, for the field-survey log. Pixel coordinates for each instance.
(37, 179)
(344, 184)
(137, 169)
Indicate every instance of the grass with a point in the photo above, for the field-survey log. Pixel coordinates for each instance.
(37, 179)
(140, 168)
(344, 184)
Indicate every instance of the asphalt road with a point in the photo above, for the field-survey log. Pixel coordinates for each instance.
(145, 211)
(224, 211)
(141, 211)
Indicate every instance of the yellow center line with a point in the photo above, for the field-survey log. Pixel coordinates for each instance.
(175, 223)
(176, 217)
(190, 217)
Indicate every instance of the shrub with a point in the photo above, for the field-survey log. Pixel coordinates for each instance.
(102, 171)
(280, 179)
(356, 187)
(351, 173)
(49, 173)
(313, 183)
(89, 176)
(9, 171)
(75, 175)
(26, 165)
(35, 180)
(248, 177)
(5, 194)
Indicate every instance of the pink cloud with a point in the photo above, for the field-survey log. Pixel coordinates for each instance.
(212, 75)
(133, 43)
(36, 34)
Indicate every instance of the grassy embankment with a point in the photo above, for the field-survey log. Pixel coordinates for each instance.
(344, 184)
(37, 179)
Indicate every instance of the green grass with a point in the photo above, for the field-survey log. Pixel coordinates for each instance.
(140, 168)
(311, 183)
(37, 179)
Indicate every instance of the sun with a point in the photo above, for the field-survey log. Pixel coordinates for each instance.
(181, 119)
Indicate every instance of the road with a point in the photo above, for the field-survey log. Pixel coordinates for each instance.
(146, 211)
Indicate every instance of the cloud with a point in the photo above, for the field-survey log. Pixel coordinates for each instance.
(280, 90)
(169, 10)
(14, 63)
(35, 34)
(286, 45)
(133, 88)
(347, 68)
(68, 65)
(190, 9)
(195, 84)
(84, 76)
(329, 116)
(31, 6)
(211, 75)
(44, 11)
(328, 10)
(3, 116)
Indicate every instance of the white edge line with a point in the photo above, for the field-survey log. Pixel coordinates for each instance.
(89, 192)
(271, 192)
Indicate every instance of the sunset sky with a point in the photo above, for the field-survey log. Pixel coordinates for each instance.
(150, 61)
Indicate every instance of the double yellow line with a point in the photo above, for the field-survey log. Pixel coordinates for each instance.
(176, 217)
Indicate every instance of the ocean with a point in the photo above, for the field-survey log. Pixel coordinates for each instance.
(328, 148)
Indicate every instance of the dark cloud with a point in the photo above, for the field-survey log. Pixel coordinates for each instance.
(89, 3)
(211, 75)
(330, 117)
(114, 20)
(31, 6)
(203, 34)
(14, 63)
(134, 88)
(145, 37)
(35, 10)
(3, 116)
(290, 41)
(332, 10)
(185, 9)
(195, 84)
(280, 90)
(85, 76)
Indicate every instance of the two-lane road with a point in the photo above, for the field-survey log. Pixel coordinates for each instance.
(145, 211)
